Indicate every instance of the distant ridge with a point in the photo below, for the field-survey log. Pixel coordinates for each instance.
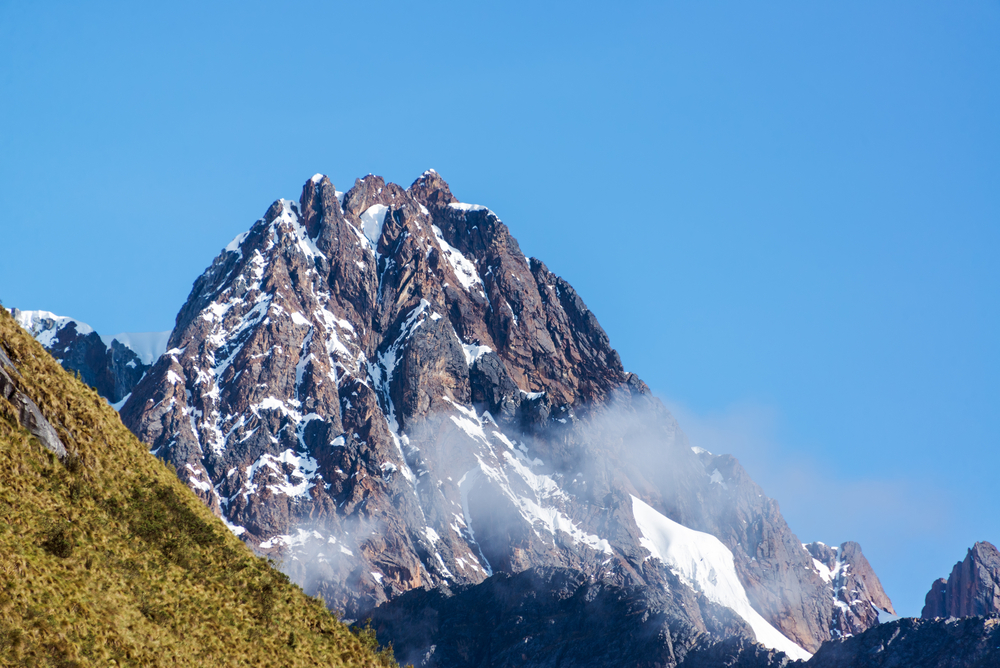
(110, 364)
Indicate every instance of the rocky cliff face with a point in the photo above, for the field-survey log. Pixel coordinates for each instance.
(27, 412)
(858, 598)
(973, 588)
(379, 389)
(110, 367)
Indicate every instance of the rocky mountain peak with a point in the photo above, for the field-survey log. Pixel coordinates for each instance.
(381, 390)
(319, 199)
(973, 588)
(431, 190)
(109, 365)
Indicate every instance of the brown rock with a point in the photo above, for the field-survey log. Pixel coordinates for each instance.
(973, 588)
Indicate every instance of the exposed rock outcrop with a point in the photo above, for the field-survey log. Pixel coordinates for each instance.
(858, 598)
(556, 617)
(973, 588)
(28, 414)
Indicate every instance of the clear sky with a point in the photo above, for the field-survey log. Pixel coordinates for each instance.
(786, 215)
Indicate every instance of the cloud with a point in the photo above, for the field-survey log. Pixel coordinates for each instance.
(901, 523)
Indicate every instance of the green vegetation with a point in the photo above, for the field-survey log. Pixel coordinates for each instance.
(107, 559)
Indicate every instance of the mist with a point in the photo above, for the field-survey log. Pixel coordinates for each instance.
(898, 521)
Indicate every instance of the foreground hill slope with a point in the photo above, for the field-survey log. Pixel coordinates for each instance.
(105, 557)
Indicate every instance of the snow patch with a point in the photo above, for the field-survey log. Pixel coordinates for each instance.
(234, 245)
(465, 270)
(372, 220)
(118, 404)
(297, 483)
(462, 206)
(824, 572)
(705, 564)
(474, 352)
(301, 537)
(45, 326)
(884, 617)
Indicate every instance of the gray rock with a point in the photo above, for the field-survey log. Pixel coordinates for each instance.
(915, 643)
(111, 370)
(855, 591)
(561, 617)
(28, 413)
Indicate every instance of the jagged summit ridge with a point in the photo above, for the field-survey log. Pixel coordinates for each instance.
(379, 388)
(858, 598)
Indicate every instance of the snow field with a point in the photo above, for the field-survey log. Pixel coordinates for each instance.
(705, 564)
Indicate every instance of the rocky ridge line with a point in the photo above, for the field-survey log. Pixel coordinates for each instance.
(858, 598)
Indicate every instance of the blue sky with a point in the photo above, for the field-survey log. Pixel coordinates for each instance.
(786, 215)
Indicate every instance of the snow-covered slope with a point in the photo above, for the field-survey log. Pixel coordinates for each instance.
(704, 563)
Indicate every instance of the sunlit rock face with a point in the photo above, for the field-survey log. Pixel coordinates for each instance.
(378, 389)
(973, 588)
(858, 598)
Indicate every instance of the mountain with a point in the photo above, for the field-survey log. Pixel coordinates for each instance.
(973, 588)
(111, 365)
(380, 390)
(106, 558)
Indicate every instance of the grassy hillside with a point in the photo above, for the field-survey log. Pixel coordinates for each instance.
(107, 559)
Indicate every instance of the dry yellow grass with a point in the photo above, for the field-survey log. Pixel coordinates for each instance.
(107, 559)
